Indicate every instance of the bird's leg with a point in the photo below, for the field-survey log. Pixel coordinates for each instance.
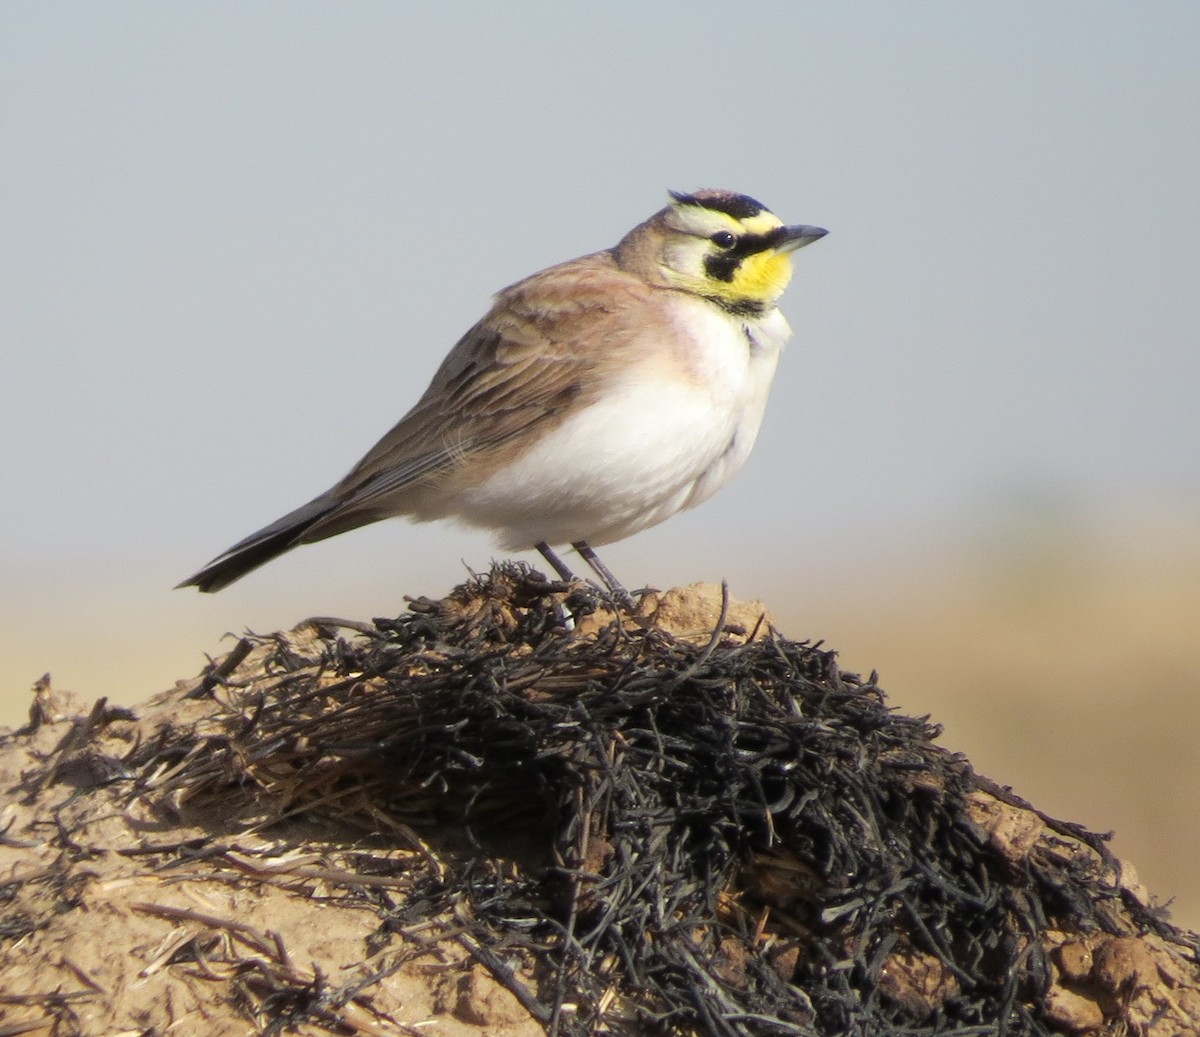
(564, 574)
(556, 563)
(619, 593)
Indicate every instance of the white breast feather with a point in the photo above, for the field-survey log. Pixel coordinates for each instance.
(650, 447)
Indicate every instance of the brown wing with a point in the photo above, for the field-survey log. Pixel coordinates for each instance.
(546, 347)
(542, 350)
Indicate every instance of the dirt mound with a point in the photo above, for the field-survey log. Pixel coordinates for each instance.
(482, 817)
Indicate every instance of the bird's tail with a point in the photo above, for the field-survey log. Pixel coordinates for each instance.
(259, 548)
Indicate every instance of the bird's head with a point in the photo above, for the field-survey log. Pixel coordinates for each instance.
(723, 246)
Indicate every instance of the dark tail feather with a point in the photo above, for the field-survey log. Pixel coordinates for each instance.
(259, 548)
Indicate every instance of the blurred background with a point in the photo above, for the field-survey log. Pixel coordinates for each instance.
(237, 239)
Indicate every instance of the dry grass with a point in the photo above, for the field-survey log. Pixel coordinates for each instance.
(1072, 676)
(641, 824)
(1068, 672)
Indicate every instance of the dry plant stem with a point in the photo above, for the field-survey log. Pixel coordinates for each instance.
(615, 828)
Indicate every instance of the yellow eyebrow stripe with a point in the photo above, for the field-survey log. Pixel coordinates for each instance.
(760, 224)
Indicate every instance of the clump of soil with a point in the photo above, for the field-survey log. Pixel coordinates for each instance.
(513, 811)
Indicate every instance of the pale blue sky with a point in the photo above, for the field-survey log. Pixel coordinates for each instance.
(237, 238)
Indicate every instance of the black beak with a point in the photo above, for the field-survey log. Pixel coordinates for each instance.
(788, 239)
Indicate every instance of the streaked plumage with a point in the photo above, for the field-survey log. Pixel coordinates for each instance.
(596, 398)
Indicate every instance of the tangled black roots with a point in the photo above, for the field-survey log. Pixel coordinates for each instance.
(639, 834)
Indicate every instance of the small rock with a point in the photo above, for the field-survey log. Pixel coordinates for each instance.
(1074, 961)
(916, 982)
(1011, 831)
(1123, 964)
(692, 612)
(1071, 1011)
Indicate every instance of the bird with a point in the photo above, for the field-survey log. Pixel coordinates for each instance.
(596, 398)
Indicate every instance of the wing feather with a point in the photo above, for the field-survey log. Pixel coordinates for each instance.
(540, 352)
(551, 344)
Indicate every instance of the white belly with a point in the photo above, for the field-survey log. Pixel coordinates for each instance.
(655, 444)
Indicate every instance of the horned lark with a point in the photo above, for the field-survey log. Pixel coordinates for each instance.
(596, 398)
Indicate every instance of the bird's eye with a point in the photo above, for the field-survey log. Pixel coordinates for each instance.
(723, 239)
